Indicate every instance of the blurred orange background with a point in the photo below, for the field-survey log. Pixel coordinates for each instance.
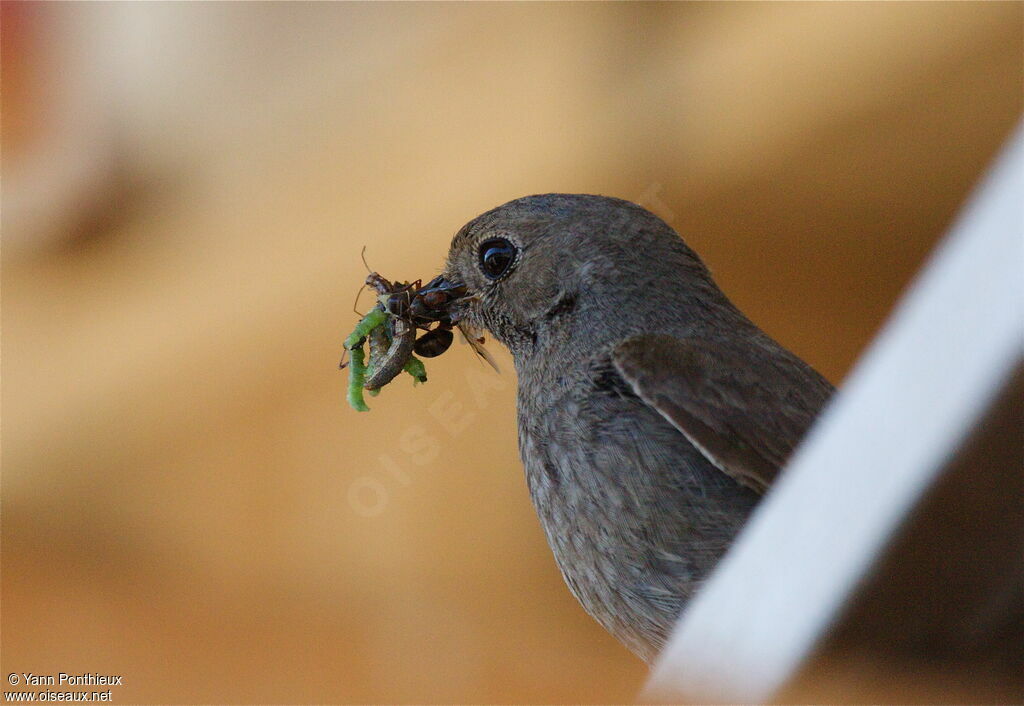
(186, 499)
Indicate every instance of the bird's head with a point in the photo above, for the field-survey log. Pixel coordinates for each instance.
(560, 266)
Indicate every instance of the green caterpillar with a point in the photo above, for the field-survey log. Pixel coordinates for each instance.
(389, 355)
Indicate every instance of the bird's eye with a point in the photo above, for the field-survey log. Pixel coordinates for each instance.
(496, 256)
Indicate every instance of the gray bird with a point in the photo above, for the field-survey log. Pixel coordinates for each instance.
(652, 413)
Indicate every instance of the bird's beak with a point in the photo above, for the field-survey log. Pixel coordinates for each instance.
(432, 301)
(452, 290)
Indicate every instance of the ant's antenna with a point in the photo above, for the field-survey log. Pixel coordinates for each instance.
(355, 304)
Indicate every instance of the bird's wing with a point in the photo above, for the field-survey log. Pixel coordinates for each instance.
(744, 412)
